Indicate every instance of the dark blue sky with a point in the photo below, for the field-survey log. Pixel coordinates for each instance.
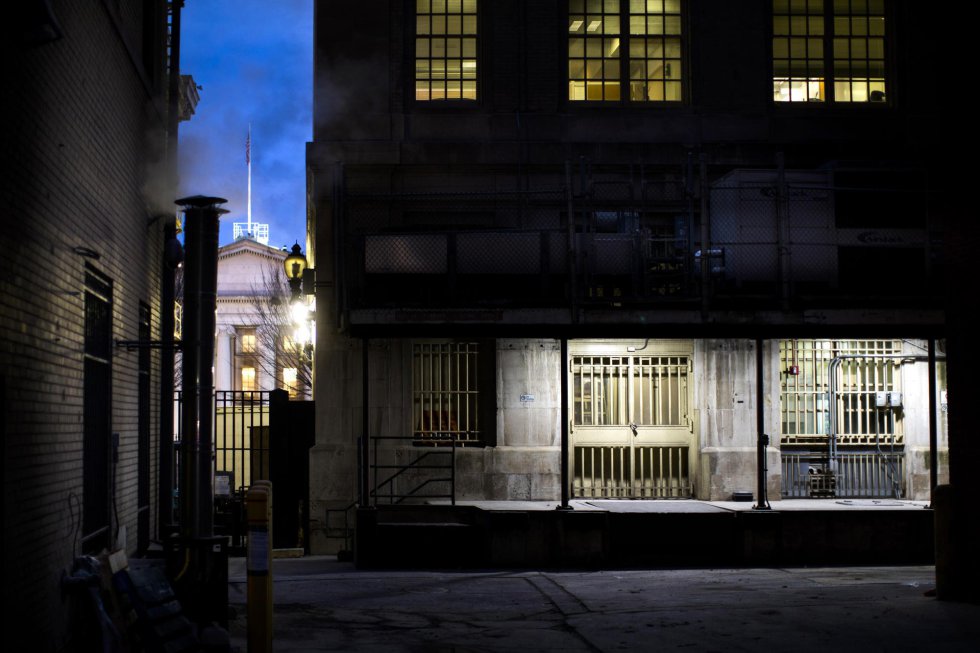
(254, 62)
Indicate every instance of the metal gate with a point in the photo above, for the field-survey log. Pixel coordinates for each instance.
(241, 442)
(632, 425)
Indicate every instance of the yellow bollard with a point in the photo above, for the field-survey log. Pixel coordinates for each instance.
(258, 503)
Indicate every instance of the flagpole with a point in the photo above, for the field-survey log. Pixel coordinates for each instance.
(248, 160)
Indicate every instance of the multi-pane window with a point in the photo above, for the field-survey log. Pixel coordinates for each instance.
(248, 378)
(865, 368)
(623, 390)
(828, 50)
(624, 50)
(445, 392)
(289, 381)
(248, 342)
(445, 49)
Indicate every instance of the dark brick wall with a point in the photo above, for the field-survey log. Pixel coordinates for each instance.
(81, 165)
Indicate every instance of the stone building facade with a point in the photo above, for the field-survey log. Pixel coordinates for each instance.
(719, 211)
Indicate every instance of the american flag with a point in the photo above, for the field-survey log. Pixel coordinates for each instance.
(248, 146)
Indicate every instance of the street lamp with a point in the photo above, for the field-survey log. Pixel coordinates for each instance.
(295, 263)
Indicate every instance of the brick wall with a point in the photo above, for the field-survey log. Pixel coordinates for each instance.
(75, 168)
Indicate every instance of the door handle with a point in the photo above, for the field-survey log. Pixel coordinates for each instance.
(633, 428)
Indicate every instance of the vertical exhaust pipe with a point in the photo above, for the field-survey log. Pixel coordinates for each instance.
(197, 346)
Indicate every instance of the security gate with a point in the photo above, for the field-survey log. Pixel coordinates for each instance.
(631, 421)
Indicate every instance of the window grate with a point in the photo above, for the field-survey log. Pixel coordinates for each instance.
(805, 396)
(445, 392)
(603, 396)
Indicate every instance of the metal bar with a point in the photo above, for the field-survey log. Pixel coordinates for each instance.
(564, 413)
(933, 425)
(762, 440)
(365, 415)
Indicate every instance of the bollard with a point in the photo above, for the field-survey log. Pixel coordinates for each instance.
(259, 567)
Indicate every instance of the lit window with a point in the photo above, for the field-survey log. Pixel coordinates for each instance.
(289, 343)
(248, 378)
(248, 343)
(289, 377)
(445, 49)
(805, 392)
(828, 51)
(445, 392)
(599, 48)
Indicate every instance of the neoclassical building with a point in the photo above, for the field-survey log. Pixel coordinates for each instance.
(255, 346)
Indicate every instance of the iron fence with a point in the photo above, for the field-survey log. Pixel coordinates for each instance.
(240, 454)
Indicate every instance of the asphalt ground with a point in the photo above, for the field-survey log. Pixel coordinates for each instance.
(324, 605)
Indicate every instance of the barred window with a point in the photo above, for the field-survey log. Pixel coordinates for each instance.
(612, 39)
(829, 51)
(805, 391)
(622, 390)
(445, 49)
(445, 392)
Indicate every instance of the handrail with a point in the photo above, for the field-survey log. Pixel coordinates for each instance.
(415, 464)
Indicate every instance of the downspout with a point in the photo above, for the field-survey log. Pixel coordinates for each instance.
(165, 480)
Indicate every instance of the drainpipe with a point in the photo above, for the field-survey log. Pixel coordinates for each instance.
(705, 235)
(165, 482)
(365, 494)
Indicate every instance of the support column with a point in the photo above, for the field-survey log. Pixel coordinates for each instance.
(565, 489)
(762, 439)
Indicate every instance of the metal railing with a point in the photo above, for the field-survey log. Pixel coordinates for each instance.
(422, 468)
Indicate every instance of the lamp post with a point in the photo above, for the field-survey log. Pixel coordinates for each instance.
(297, 268)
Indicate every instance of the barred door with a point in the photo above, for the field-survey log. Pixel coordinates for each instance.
(632, 427)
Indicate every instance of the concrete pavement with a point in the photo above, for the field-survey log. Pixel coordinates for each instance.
(325, 605)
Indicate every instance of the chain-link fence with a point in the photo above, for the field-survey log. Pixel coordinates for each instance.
(769, 238)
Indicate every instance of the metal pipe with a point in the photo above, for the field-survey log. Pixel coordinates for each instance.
(933, 422)
(564, 426)
(570, 262)
(762, 440)
(165, 479)
(365, 415)
(197, 346)
(705, 235)
(832, 367)
(165, 444)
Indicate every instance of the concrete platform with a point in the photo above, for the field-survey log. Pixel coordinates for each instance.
(662, 533)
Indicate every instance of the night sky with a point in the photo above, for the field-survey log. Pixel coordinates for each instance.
(254, 62)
